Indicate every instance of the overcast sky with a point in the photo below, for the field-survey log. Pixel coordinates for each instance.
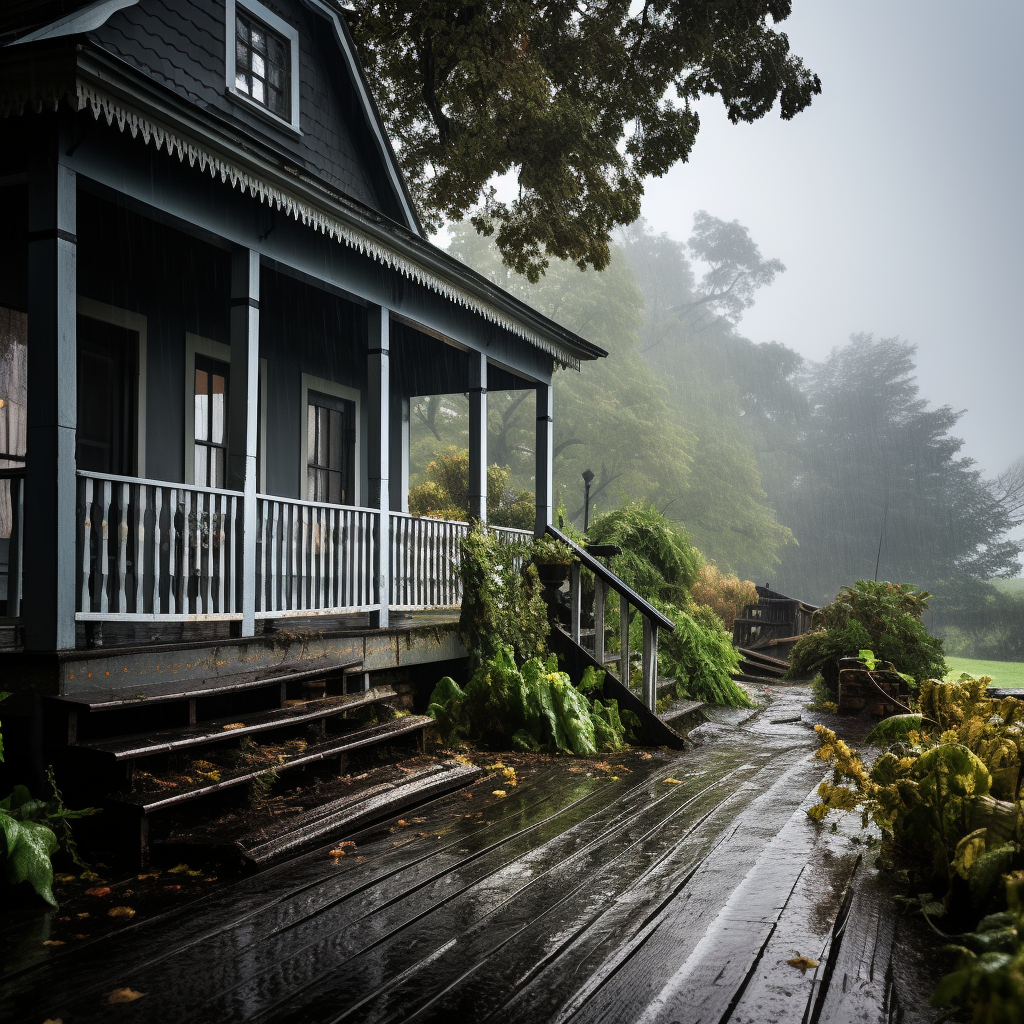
(895, 201)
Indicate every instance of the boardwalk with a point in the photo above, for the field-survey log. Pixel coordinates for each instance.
(576, 897)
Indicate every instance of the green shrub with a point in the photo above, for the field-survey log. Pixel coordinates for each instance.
(657, 561)
(502, 601)
(532, 708)
(698, 654)
(882, 617)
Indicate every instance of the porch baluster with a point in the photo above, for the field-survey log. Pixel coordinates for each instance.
(86, 549)
(139, 599)
(104, 559)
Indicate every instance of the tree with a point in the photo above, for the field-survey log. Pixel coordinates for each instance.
(580, 101)
(883, 489)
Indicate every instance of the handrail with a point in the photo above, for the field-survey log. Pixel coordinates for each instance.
(11, 472)
(88, 474)
(604, 573)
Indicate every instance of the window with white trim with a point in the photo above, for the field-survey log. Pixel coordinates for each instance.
(262, 65)
(262, 60)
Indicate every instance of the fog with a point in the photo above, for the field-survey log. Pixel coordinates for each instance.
(895, 200)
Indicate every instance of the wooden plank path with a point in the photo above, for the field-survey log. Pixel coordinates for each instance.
(574, 898)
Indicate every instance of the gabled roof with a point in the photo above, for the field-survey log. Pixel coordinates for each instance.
(94, 80)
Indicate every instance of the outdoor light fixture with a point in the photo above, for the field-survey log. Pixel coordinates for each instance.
(588, 476)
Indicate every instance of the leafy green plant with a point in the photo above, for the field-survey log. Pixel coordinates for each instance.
(30, 838)
(445, 493)
(502, 601)
(532, 708)
(698, 654)
(657, 561)
(946, 794)
(884, 618)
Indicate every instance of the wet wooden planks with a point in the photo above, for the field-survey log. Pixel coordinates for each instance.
(575, 898)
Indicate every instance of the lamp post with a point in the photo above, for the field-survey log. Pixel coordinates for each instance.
(588, 476)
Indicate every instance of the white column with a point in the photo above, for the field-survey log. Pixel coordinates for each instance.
(544, 457)
(379, 444)
(243, 400)
(50, 493)
(478, 436)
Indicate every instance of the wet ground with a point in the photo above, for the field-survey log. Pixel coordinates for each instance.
(643, 888)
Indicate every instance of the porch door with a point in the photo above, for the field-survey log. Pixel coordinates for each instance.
(331, 448)
(107, 397)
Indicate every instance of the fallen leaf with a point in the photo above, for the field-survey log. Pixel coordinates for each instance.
(89, 876)
(98, 890)
(212, 878)
(614, 778)
(155, 874)
(674, 782)
(603, 765)
(85, 913)
(337, 853)
(419, 820)
(124, 995)
(645, 755)
(64, 878)
(468, 796)
(497, 792)
(53, 1020)
(172, 888)
(575, 769)
(803, 963)
(402, 821)
(53, 942)
(234, 725)
(120, 912)
(64, 919)
(194, 874)
(178, 869)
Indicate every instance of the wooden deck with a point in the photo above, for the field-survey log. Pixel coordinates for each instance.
(578, 897)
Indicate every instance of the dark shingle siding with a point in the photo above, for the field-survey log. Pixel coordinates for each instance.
(180, 45)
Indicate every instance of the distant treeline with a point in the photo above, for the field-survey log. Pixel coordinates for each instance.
(805, 475)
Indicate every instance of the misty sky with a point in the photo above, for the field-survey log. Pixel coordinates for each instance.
(895, 201)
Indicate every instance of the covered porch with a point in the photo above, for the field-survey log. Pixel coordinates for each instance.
(206, 418)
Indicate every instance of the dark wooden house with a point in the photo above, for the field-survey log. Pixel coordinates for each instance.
(216, 303)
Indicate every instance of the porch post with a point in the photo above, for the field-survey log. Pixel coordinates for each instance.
(544, 457)
(478, 437)
(50, 492)
(243, 400)
(378, 362)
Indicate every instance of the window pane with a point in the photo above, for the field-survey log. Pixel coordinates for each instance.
(258, 66)
(257, 90)
(219, 410)
(242, 83)
(242, 56)
(241, 28)
(336, 451)
(310, 484)
(311, 436)
(337, 497)
(216, 467)
(200, 473)
(259, 41)
(202, 417)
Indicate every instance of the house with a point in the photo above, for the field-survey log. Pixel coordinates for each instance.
(216, 303)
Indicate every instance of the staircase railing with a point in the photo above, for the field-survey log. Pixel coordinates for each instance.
(653, 620)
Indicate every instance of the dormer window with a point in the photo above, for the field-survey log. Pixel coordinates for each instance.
(262, 60)
(261, 65)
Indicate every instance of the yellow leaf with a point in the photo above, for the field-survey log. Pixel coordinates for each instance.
(120, 912)
(89, 876)
(124, 995)
(402, 821)
(498, 792)
(64, 878)
(803, 962)
(234, 725)
(53, 1020)
(53, 942)
(674, 782)
(194, 874)
(84, 914)
(178, 869)
(817, 812)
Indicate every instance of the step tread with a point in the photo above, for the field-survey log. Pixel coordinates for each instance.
(146, 803)
(680, 709)
(111, 698)
(747, 652)
(359, 809)
(147, 744)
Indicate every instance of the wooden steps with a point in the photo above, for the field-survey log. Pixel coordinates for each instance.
(148, 802)
(157, 751)
(358, 810)
(221, 730)
(684, 715)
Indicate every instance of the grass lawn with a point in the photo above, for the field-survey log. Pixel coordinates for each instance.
(1003, 673)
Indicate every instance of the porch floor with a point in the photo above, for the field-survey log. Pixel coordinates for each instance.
(652, 888)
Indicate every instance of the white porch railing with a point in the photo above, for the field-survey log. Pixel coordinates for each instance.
(314, 559)
(425, 558)
(151, 550)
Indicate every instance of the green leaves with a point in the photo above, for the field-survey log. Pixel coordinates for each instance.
(579, 102)
(28, 846)
(893, 730)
